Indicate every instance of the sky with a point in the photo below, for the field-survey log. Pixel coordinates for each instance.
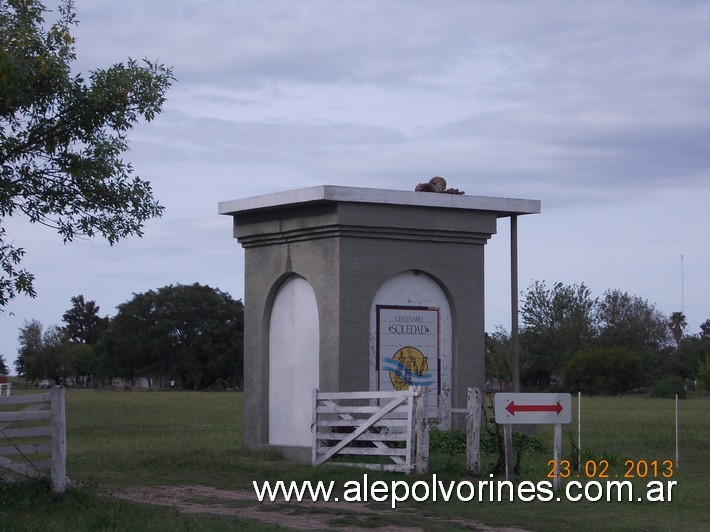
(600, 110)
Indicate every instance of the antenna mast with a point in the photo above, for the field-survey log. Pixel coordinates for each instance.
(682, 285)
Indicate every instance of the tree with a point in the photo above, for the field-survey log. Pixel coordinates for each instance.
(557, 322)
(498, 355)
(705, 330)
(83, 328)
(40, 354)
(31, 344)
(628, 321)
(83, 325)
(80, 362)
(62, 352)
(603, 371)
(561, 321)
(190, 333)
(51, 361)
(62, 137)
(703, 372)
(677, 324)
(3, 365)
(691, 359)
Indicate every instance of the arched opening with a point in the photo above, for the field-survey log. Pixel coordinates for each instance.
(294, 355)
(411, 339)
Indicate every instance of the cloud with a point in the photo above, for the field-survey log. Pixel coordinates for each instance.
(248, 42)
(599, 109)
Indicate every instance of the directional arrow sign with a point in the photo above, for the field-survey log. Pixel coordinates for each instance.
(533, 408)
(513, 408)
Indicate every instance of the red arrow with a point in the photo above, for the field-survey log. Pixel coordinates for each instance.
(513, 408)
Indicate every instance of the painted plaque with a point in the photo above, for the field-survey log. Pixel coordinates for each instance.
(408, 349)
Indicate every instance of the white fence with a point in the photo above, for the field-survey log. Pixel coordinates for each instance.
(5, 389)
(33, 437)
(393, 425)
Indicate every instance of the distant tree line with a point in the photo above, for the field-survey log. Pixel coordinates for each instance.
(189, 334)
(605, 345)
(193, 335)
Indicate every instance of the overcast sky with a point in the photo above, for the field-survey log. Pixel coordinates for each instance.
(601, 110)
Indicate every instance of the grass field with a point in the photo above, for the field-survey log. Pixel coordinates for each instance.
(119, 440)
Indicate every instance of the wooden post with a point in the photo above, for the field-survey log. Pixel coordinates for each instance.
(473, 432)
(314, 428)
(59, 439)
(557, 455)
(508, 449)
(421, 430)
(411, 458)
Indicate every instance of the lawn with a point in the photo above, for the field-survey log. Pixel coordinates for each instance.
(126, 439)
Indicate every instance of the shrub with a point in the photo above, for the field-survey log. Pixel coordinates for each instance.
(703, 374)
(450, 442)
(604, 371)
(668, 388)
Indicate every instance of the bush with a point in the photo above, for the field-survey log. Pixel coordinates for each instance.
(668, 388)
(603, 371)
(21, 496)
(450, 442)
(703, 373)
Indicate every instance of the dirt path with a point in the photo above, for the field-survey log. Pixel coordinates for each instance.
(321, 515)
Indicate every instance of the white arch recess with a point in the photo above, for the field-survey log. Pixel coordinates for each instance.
(410, 310)
(294, 341)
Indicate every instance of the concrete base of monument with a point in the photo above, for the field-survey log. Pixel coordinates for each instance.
(291, 452)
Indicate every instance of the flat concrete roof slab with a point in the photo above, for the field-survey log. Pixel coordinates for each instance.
(332, 193)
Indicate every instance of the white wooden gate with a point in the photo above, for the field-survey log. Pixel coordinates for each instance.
(352, 423)
(33, 436)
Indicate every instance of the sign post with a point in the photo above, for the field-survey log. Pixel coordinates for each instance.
(533, 409)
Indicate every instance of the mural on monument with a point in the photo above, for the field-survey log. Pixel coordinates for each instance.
(408, 348)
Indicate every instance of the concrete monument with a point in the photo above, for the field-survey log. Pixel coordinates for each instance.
(351, 289)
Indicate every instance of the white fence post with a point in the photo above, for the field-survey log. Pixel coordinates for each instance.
(59, 440)
(314, 428)
(421, 430)
(473, 431)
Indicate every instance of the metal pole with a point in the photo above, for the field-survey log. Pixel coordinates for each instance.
(579, 431)
(515, 347)
(557, 456)
(508, 450)
(677, 457)
(682, 285)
